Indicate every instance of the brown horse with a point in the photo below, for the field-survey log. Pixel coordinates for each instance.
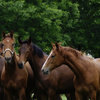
(86, 70)
(58, 81)
(14, 80)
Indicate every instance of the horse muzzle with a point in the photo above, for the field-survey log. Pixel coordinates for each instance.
(8, 59)
(20, 65)
(45, 71)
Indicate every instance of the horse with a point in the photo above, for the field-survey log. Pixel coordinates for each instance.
(15, 81)
(1, 67)
(86, 70)
(58, 81)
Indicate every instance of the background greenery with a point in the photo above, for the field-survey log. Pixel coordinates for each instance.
(71, 22)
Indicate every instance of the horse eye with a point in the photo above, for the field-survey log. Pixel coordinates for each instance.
(2, 53)
(2, 44)
(13, 44)
(52, 56)
(27, 51)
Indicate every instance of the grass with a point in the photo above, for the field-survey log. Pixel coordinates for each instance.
(63, 97)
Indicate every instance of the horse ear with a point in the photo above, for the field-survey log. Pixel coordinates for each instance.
(19, 40)
(3, 34)
(70, 46)
(53, 45)
(57, 45)
(11, 33)
(29, 40)
(79, 47)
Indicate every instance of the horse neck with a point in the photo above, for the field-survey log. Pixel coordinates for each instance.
(36, 64)
(75, 64)
(11, 67)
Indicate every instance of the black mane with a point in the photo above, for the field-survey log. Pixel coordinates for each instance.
(37, 51)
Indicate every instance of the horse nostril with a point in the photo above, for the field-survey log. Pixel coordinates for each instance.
(42, 70)
(46, 72)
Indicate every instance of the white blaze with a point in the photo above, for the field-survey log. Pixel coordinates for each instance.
(7, 40)
(47, 59)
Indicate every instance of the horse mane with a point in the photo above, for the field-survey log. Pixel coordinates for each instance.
(76, 52)
(88, 56)
(8, 35)
(37, 51)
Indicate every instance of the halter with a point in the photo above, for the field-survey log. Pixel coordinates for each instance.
(12, 52)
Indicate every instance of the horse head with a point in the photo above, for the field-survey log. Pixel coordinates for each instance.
(8, 46)
(24, 52)
(54, 59)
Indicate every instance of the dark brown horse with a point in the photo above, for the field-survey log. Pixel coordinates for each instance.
(14, 80)
(86, 70)
(47, 85)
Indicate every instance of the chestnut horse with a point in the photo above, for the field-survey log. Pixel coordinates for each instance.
(86, 70)
(58, 81)
(14, 80)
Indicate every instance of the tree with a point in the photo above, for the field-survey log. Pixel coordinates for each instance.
(71, 22)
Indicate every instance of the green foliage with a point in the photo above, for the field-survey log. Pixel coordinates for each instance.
(71, 22)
